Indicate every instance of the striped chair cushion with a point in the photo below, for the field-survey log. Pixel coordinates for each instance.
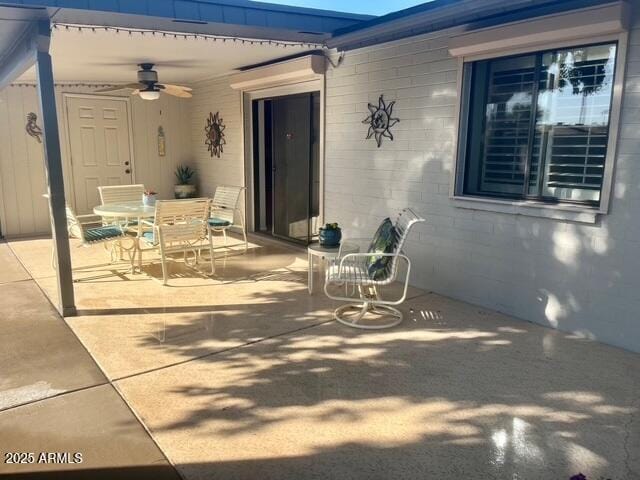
(218, 222)
(101, 234)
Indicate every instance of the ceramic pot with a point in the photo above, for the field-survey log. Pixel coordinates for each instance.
(149, 200)
(184, 191)
(330, 238)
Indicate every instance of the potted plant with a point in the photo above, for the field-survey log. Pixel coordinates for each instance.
(149, 198)
(183, 189)
(330, 235)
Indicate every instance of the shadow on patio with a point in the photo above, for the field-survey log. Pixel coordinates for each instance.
(454, 391)
(246, 376)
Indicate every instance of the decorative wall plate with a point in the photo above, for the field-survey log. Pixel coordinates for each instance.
(380, 121)
(214, 134)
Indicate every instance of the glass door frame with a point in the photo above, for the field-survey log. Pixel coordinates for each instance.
(315, 85)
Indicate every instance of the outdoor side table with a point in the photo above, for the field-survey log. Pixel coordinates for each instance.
(323, 253)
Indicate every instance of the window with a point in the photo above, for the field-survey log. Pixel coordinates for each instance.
(538, 125)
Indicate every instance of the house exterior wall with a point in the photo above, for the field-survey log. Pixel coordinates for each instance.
(210, 97)
(23, 211)
(575, 277)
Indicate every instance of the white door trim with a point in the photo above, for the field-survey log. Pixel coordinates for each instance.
(317, 85)
(71, 195)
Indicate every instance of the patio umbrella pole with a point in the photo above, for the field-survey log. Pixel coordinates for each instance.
(53, 167)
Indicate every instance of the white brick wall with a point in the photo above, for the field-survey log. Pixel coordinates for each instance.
(575, 277)
(213, 96)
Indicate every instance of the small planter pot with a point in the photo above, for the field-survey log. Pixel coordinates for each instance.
(149, 200)
(184, 191)
(330, 238)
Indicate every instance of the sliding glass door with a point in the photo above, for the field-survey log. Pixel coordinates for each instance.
(286, 165)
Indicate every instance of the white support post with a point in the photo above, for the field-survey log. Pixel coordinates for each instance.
(53, 167)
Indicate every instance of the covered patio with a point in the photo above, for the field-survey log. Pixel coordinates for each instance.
(244, 373)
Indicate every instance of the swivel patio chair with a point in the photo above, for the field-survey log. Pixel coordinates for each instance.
(225, 208)
(366, 272)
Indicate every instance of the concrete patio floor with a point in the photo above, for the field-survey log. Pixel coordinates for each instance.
(246, 375)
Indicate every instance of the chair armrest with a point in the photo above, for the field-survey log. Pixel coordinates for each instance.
(357, 244)
(89, 218)
(350, 256)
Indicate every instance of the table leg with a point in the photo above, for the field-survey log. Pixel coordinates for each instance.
(310, 273)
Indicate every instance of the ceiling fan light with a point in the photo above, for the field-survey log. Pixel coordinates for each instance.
(149, 94)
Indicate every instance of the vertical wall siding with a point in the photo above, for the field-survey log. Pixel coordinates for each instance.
(213, 96)
(571, 276)
(23, 211)
(173, 115)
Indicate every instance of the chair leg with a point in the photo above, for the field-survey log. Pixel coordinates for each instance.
(165, 275)
(213, 260)
(224, 233)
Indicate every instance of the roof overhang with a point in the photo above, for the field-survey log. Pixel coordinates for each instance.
(443, 14)
(23, 31)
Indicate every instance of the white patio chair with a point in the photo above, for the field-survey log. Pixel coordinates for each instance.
(225, 208)
(353, 271)
(120, 194)
(179, 226)
(79, 226)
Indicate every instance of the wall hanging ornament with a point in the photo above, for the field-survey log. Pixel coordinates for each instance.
(162, 144)
(380, 121)
(214, 134)
(32, 128)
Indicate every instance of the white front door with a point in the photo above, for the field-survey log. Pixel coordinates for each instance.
(100, 146)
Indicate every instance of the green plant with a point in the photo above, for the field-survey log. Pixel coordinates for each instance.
(332, 226)
(184, 174)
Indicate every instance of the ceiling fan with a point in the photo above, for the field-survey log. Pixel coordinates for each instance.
(148, 87)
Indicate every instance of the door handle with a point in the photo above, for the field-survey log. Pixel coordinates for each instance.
(127, 162)
(127, 171)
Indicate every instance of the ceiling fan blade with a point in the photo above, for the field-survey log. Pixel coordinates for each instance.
(115, 88)
(181, 87)
(175, 90)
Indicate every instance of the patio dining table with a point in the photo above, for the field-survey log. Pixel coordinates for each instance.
(129, 212)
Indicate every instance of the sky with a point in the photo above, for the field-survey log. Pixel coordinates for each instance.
(371, 7)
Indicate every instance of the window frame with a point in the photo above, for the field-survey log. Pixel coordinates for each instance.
(462, 123)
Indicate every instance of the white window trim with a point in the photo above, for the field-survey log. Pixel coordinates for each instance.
(559, 211)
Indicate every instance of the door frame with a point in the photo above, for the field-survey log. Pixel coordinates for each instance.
(316, 85)
(68, 162)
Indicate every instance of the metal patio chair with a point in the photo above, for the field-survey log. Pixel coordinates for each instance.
(179, 226)
(120, 194)
(225, 208)
(110, 236)
(353, 271)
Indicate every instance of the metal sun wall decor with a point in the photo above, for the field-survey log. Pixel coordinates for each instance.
(32, 127)
(380, 120)
(214, 134)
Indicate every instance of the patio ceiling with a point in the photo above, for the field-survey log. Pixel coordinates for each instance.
(112, 56)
